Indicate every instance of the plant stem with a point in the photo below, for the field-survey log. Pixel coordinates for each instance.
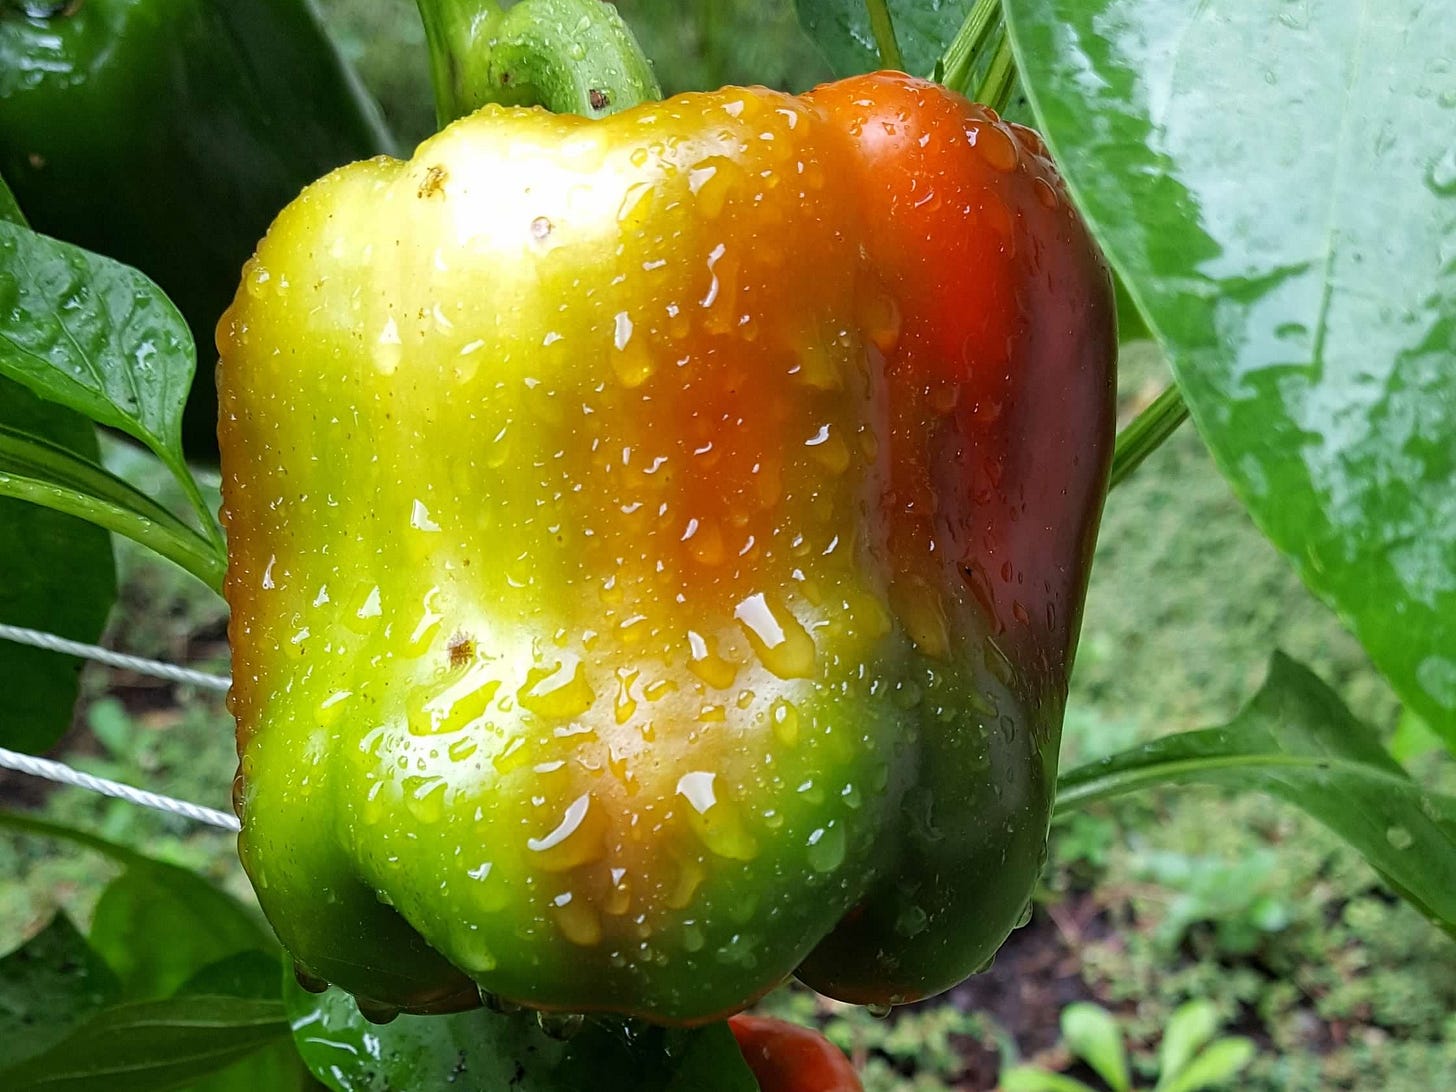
(968, 49)
(205, 515)
(1000, 78)
(1146, 433)
(570, 56)
(42, 473)
(884, 31)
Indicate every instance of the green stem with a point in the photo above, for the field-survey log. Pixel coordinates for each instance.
(1146, 433)
(42, 473)
(1000, 78)
(205, 515)
(570, 56)
(884, 31)
(968, 49)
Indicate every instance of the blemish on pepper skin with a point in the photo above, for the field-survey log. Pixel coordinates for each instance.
(434, 183)
(461, 649)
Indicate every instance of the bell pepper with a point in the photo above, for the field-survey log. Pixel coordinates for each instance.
(656, 550)
(786, 1057)
(168, 134)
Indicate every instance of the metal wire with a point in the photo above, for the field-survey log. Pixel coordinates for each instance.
(62, 774)
(171, 672)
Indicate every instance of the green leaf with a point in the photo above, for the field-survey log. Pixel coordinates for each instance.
(1216, 1066)
(36, 472)
(95, 335)
(1276, 184)
(98, 337)
(1296, 741)
(842, 30)
(1028, 1078)
(47, 986)
(252, 973)
(9, 211)
(481, 1051)
(158, 926)
(60, 577)
(1192, 1025)
(153, 1046)
(1092, 1034)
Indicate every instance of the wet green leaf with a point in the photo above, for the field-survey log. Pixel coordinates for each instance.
(482, 1051)
(48, 985)
(1276, 184)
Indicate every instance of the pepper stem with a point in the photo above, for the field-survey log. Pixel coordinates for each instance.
(570, 56)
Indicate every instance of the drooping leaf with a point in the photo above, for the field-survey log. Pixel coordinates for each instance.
(1295, 740)
(157, 929)
(1276, 184)
(252, 973)
(842, 30)
(35, 472)
(191, 897)
(276, 1068)
(482, 1051)
(48, 986)
(152, 1046)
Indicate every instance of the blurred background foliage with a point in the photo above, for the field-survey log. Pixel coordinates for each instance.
(1147, 902)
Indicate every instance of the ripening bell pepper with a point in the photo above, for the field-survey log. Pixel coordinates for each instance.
(657, 547)
(168, 133)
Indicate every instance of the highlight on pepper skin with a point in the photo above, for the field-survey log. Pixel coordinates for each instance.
(606, 517)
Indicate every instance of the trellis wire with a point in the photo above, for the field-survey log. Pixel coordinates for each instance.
(65, 775)
(142, 666)
(59, 772)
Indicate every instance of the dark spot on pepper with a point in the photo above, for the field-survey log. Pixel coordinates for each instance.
(461, 649)
(434, 183)
(598, 99)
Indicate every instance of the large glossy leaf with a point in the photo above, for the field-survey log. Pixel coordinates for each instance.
(153, 1046)
(1276, 183)
(49, 985)
(842, 30)
(483, 1051)
(70, 594)
(98, 337)
(1296, 740)
(93, 334)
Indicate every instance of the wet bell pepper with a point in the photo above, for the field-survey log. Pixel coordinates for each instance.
(168, 134)
(657, 547)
